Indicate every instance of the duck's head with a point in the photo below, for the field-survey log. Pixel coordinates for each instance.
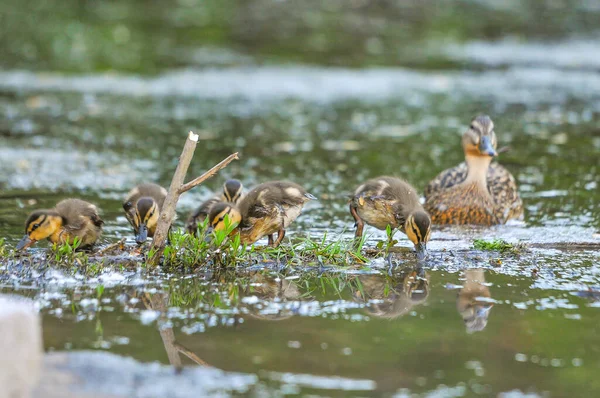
(40, 225)
(418, 230)
(480, 138)
(232, 191)
(219, 212)
(143, 216)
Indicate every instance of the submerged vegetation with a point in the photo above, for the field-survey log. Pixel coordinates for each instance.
(497, 245)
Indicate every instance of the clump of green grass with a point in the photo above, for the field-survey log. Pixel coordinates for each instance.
(221, 249)
(497, 245)
(3, 248)
(218, 248)
(70, 255)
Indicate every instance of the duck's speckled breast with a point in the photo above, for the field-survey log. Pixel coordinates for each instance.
(466, 203)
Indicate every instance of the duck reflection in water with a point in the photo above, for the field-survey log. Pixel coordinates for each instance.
(474, 301)
(392, 296)
(278, 297)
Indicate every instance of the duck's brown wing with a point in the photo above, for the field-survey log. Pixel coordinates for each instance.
(81, 220)
(503, 188)
(446, 179)
(75, 211)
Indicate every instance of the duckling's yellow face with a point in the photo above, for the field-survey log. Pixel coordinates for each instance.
(480, 138)
(220, 212)
(418, 230)
(40, 225)
(145, 219)
(232, 191)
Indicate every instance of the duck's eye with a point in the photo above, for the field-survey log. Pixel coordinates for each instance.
(36, 226)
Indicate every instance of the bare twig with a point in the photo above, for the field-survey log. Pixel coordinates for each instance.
(190, 354)
(210, 173)
(177, 187)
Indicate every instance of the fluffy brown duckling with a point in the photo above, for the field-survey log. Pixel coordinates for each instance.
(267, 209)
(142, 209)
(384, 201)
(70, 219)
(233, 191)
(476, 191)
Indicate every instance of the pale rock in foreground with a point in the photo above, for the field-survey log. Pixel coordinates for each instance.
(20, 347)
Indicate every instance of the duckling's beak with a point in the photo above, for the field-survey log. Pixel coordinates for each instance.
(486, 147)
(209, 232)
(421, 249)
(142, 234)
(483, 310)
(25, 243)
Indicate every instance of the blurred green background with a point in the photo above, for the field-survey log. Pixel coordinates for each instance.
(149, 36)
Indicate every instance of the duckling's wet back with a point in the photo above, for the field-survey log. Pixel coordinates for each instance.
(490, 116)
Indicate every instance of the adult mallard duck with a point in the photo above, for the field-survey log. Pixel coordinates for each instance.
(233, 191)
(476, 191)
(384, 201)
(142, 209)
(269, 208)
(70, 219)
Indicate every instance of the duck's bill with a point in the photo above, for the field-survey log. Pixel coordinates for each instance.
(484, 309)
(25, 243)
(421, 249)
(486, 147)
(142, 234)
(209, 234)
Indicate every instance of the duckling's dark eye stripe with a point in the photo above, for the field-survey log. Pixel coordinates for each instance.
(137, 218)
(36, 224)
(415, 230)
(150, 213)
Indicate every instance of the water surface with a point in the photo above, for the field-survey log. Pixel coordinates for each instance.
(91, 122)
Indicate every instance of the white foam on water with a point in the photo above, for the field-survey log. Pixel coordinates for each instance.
(319, 84)
(323, 382)
(573, 53)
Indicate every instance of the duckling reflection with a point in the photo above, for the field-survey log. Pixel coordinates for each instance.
(471, 302)
(396, 295)
(277, 291)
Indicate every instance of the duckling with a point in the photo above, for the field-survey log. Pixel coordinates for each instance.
(70, 219)
(384, 201)
(476, 191)
(270, 207)
(233, 191)
(142, 209)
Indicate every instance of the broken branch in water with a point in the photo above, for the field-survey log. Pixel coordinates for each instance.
(210, 173)
(177, 187)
